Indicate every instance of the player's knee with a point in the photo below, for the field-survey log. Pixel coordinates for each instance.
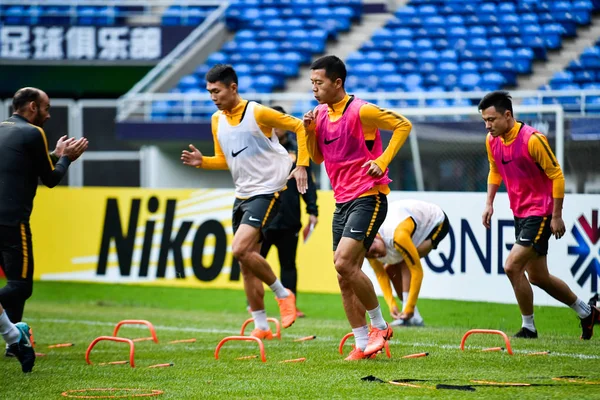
(512, 269)
(240, 252)
(343, 265)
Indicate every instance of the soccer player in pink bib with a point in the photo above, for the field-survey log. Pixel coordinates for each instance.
(521, 157)
(343, 132)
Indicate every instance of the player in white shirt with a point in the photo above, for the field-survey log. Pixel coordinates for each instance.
(410, 231)
(260, 167)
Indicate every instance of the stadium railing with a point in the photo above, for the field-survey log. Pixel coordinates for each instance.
(198, 107)
(128, 103)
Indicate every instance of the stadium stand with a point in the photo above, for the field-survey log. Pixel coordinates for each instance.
(273, 39)
(426, 47)
(464, 45)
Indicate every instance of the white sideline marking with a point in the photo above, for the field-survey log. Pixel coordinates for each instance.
(161, 327)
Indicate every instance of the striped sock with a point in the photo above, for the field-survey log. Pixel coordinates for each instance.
(581, 308)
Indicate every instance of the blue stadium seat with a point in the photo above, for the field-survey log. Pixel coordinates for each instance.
(468, 82)
(486, 66)
(468, 66)
(477, 43)
(448, 55)
(427, 68)
(487, 8)
(510, 31)
(582, 77)
(383, 34)
(561, 78)
(395, 82)
(407, 68)
(590, 58)
(455, 20)
(430, 55)
(495, 79)
(432, 80)
(505, 54)
(537, 45)
(403, 33)
(506, 7)
(217, 58)
(423, 44)
(413, 81)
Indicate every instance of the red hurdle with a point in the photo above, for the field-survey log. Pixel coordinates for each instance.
(277, 333)
(137, 322)
(388, 353)
(243, 338)
(112, 339)
(486, 331)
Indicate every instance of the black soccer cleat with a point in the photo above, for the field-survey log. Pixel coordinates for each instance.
(587, 323)
(525, 333)
(23, 349)
(8, 353)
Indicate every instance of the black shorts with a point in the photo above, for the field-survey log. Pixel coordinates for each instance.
(16, 253)
(359, 219)
(533, 231)
(257, 211)
(439, 232)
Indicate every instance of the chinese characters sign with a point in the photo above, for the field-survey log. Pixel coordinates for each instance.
(115, 43)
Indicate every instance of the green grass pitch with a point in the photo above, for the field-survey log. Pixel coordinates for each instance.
(77, 313)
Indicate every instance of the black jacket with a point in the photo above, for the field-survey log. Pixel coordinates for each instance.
(23, 158)
(288, 216)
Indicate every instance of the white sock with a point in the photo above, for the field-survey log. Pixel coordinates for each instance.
(581, 308)
(279, 290)
(260, 320)
(377, 318)
(417, 315)
(361, 337)
(8, 330)
(528, 322)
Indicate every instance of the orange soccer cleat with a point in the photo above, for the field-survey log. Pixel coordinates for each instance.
(287, 309)
(377, 339)
(262, 335)
(358, 354)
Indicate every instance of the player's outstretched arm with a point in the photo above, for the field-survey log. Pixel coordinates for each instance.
(192, 158)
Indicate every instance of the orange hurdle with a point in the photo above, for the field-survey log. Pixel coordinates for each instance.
(112, 339)
(486, 331)
(388, 353)
(137, 322)
(277, 333)
(243, 338)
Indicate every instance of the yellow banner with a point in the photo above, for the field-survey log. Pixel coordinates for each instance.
(158, 237)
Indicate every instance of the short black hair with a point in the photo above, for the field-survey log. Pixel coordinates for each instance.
(279, 108)
(222, 73)
(333, 66)
(499, 99)
(25, 96)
